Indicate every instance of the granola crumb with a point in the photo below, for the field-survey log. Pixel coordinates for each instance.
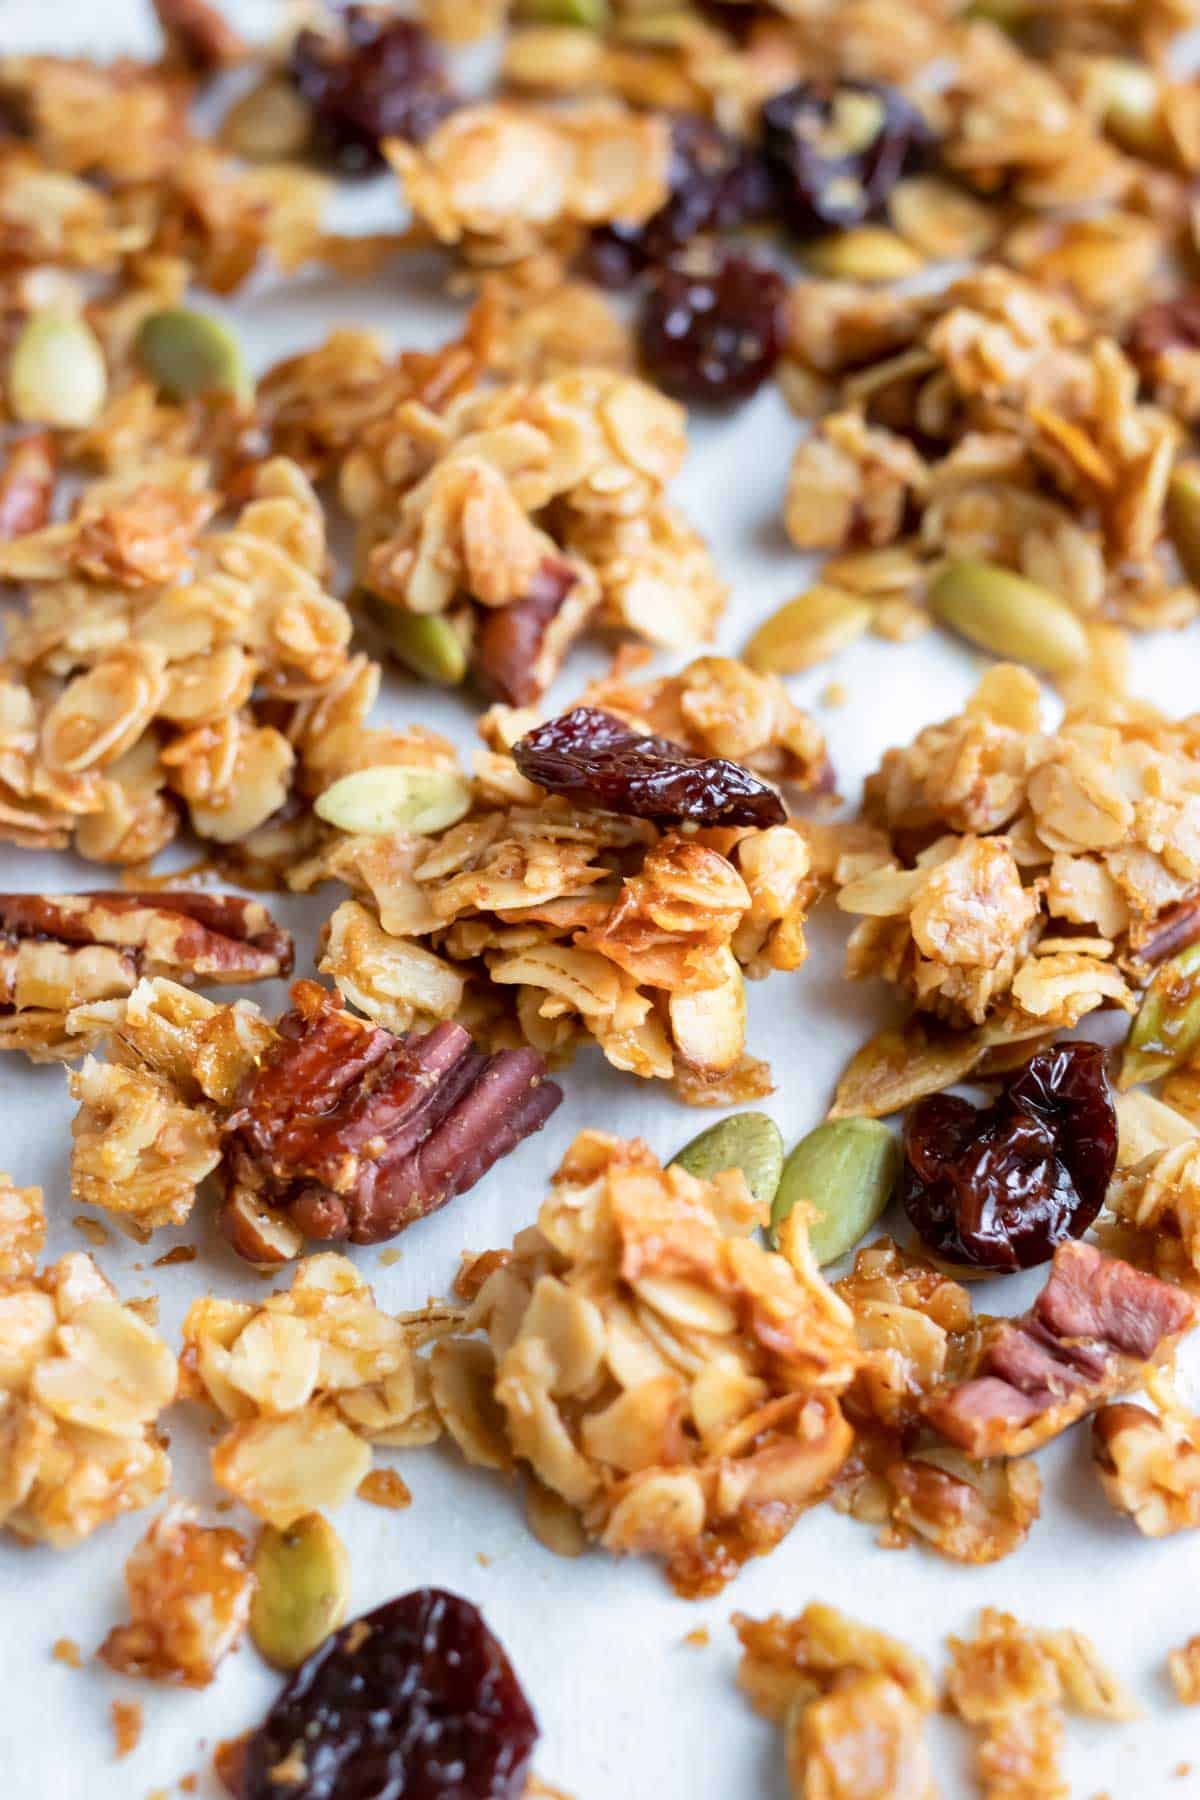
(1181, 1769)
(389, 1258)
(189, 1784)
(697, 1639)
(66, 1650)
(384, 1487)
(182, 1253)
(92, 1230)
(127, 1726)
(1183, 1665)
(483, 1559)
(834, 693)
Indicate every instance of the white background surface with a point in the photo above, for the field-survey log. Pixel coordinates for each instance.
(626, 1707)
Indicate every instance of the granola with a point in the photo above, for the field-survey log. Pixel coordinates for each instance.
(189, 1600)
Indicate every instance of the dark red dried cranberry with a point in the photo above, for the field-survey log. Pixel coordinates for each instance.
(380, 78)
(717, 183)
(1000, 1186)
(416, 1699)
(711, 327)
(837, 151)
(595, 760)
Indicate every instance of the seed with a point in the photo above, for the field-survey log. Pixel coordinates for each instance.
(1128, 93)
(838, 1180)
(590, 13)
(1183, 518)
(395, 797)
(748, 1141)
(269, 124)
(190, 353)
(1167, 1027)
(426, 643)
(864, 253)
(56, 375)
(1009, 616)
(808, 630)
(302, 1589)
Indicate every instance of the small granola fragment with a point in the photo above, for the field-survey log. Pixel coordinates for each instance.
(723, 1423)
(189, 1599)
(27, 484)
(1183, 1665)
(1089, 1333)
(1149, 1466)
(22, 1229)
(127, 1721)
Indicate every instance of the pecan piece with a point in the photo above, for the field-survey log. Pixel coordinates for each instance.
(520, 648)
(596, 760)
(1088, 1334)
(27, 484)
(199, 38)
(353, 1132)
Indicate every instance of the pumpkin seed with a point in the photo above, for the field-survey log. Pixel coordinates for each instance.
(864, 253)
(271, 123)
(807, 630)
(426, 643)
(1009, 615)
(302, 1589)
(395, 797)
(56, 374)
(837, 1181)
(190, 353)
(593, 14)
(748, 1141)
(1167, 1027)
(1183, 518)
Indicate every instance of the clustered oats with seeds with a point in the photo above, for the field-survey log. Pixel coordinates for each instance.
(964, 239)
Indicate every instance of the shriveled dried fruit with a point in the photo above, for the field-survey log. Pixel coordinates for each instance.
(189, 353)
(835, 1185)
(57, 374)
(836, 152)
(808, 629)
(302, 1592)
(1009, 615)
(1167, 1028)
(415, 1698)
(748, 1141)
(596, 760)
(395, 797)
(1001, 1186)
(380, 78)
(711, 326)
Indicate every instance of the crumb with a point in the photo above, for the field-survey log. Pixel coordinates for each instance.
(537, 1790)
(145, 1308)
(698, 1638)
(189, 1784)
(158, 1794)
(1182, 1769)
(228, 1760)
(182, 1253)
(383, 1487)
(66, 1650)
(483, 1559)
(834, 693)
(291, 1771)
(388, 1258)
(92, 1230)
(127, 1725)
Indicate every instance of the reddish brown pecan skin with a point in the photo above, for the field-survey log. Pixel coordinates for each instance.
(199, 36)
(221, 936)
(27, 484)
(1096, 1321)
(509, 655)
(355, 1133)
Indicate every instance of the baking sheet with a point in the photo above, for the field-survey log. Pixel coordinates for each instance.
(626, 1706)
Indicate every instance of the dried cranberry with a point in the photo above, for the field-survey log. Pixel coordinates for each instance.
(1000, 1186)
(382, 78)
(711, 327)
(596, 760)
(717, 183)
(415, 1699)
(837, 151)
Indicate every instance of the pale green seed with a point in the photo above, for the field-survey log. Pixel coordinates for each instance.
(190, 353)
(841, 1176)
(593, 14)
(426, 643)
(1008, 615)
(302, 1589)
(807, 630)
(748, 1141)
(1167, 1028)
(395, 797)
(1183, 518)
(56, 374)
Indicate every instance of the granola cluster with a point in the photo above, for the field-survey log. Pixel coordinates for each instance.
(189, 1589)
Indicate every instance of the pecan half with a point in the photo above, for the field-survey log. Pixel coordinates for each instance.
(353, 1132)
(520, 648)
(27, 484)
(1089, 1333)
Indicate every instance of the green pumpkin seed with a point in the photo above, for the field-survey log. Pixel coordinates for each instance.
(807, 630)
(1009, 616)
(1183, 518)
(191, 353)
(395, 797)
(302, 1589)
(426, 643)
(56, 374)
(844, 1171)
(592, 14)
(1167, 1028)
(748, 1141)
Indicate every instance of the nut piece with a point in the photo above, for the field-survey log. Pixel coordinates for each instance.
(57, 374)
(1149, 1467)
(808, 630)
(394, 798)
(1009, 615)
(189, 1599)
(1167, 1028)
(303, 1591)
(1183, 517)
(748, 1141)
(430, 644)
(190, 353)
(835, 1185)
